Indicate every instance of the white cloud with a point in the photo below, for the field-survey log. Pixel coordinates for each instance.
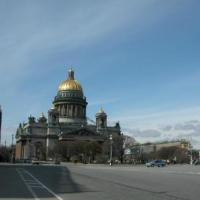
(160, 126)
(148, 133)
(153, 119)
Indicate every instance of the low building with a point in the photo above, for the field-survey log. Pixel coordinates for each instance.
(137, 151)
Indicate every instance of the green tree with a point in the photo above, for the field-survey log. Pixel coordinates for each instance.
(5, 154)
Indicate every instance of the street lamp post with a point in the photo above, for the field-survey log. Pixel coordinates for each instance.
(190, 149)
(191, 157)
(12, 139)
(13, 149)
(111, 140)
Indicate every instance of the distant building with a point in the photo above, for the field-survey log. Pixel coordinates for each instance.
(152, 147)
(0, 123)
(66, 122)
(137, 150)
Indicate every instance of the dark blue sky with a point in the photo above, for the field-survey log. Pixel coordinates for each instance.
(138, 59)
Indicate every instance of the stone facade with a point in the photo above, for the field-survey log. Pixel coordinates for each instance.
(66, 121)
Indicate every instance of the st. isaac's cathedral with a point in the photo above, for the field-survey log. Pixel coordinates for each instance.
(67, 121)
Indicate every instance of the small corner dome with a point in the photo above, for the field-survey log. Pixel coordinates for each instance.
(42, 116)
(101, 112)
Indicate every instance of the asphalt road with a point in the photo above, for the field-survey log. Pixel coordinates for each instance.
(99, 182)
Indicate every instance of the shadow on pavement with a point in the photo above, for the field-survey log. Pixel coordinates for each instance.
(56, 178)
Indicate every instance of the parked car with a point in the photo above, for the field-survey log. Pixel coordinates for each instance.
(35, 162)
(157, 163)
(196, 162)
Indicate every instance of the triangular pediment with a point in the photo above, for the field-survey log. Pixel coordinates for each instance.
(82, 134)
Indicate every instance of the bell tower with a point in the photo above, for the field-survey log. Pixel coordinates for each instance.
(101, 119)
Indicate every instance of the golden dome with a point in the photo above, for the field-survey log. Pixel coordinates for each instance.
(70, 83)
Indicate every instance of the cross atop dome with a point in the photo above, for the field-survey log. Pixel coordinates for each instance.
(70, 74)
